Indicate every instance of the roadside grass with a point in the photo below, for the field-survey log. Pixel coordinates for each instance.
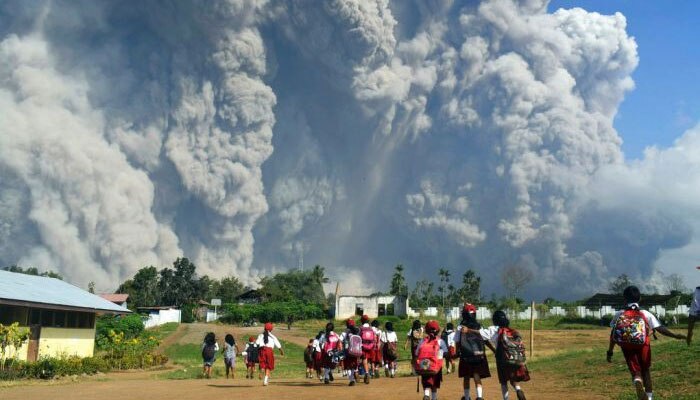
(188, 359)
(675, 371)
(163, 331)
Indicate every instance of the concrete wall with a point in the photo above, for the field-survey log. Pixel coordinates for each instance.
(57, 342)
(162, 317)
(345, 305)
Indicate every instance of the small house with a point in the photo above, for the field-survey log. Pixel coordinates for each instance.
(60, 317)
(119, 299)
(159, 315)
(372, 306)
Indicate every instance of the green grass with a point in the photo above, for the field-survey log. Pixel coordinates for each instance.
(163, 331)
(188, 359)
(675, 371)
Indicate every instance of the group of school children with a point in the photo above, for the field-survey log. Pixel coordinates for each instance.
(257, 352)
(358, 351)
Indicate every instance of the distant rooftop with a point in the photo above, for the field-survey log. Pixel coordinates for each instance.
(115, 297)
(42, 292)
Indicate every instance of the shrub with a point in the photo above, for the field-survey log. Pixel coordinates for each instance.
(130, 325)
(271, 312)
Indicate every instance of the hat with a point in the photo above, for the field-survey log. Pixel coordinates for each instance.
(251, 339)
(268, 326)
(432, 326)
(364, 318)
(470, 308)
(350, 322)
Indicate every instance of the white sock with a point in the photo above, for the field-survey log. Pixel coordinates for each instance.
(351, 376)
(517, 387)
(435, 394)
(650, 395)
(326, 373)
(504, 391)
(479, 391)
(265, 380)
(466, 394)
(427, 392)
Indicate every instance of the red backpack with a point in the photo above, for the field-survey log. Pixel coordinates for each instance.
(631, 329)
(369, 338)
(330, 343)
(510, 348)
(428, 361)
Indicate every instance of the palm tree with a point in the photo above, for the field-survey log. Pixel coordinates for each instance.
(444, 280)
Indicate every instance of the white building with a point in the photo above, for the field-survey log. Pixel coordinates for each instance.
(347, 306)
(160, 315)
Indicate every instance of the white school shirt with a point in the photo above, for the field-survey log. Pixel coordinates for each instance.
(272, 341)
(651, 319)
(316, 344)
(442, 344)
(451, 339)
(389, 337)
(695, 305)
(216, 346)
(490, 334)
(411, 330)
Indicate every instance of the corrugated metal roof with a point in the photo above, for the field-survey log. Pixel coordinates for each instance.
(51, 291)
(115, 297)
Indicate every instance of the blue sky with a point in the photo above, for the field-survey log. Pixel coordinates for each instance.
(666, 100)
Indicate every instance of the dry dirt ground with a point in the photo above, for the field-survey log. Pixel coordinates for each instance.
(147, 385)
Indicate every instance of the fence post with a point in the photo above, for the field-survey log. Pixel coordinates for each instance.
(532, 327)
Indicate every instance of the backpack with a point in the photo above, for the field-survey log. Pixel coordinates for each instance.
(510, 347)
(330, 343)
(391, 350)
(631, 329)
(471, 347)
(308, 354)
(428, 362)
(415, 337)
(208, 352)
(369, 338)
(354, 345)
(253, 354)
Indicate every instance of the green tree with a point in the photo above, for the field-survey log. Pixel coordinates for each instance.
(294, 285)
(398, 282)
(143, 289)
(618, 285)
(228, 289)
(471, 287)
(423, 295)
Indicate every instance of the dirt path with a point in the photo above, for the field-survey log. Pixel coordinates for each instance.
(122, 387)
(148, 385)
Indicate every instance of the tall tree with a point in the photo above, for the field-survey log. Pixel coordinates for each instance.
(398, 282)
(229, 289)
(675, 284)
(444, 274)
(618, 285)
(423, 294)
(514, 278)
(471, 287)
(294, 285)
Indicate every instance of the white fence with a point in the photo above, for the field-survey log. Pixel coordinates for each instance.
(483, 313)
(162, 317)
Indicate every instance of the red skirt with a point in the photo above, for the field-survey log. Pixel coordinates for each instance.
(368, 354)
(468, 370)
(267, 358)
(377, 359)
(385, 354)
(507, 373)
(638, 360)
(350, 362)
(432, 381)
(318, 360)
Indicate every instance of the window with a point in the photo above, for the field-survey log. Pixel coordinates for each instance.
(11, 314)
(359, 309)
(59, 319)
(35, 317)
(72, 321)
(390, 309)
(382, 309)
(86, 320)
(47, 318)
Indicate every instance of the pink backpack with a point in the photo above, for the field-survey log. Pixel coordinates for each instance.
(428, 362)
(355, 345)
(330, 343)
(369, 338)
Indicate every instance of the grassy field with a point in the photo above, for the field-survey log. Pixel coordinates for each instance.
(675, 371)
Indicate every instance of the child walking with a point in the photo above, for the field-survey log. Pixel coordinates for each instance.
(413, 337)
(230, 350)
(353, 350)
(510, 354)
(369, 343)
(377, 356)
(251, 356)
(448, 336)
(694, 314)
(472, 357)
(268, 342)
(330, 344)
(631, 329)
(389, 348)
(209, 349)
(318, 356)
(309, 359)
(429, 359)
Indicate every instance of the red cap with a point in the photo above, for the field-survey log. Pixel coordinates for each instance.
(432, 326)
(350, 322)
(364, 319)
(251, 339)
(470, 308)
(268, 326)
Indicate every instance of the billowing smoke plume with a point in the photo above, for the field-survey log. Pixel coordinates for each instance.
(448, 134)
